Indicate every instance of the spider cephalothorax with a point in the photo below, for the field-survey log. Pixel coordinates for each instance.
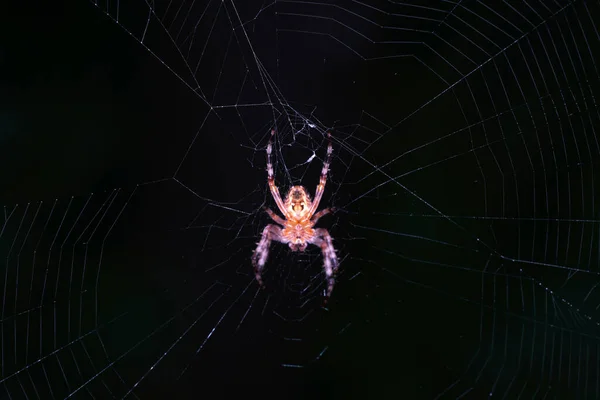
(297, 202)
(300, 217)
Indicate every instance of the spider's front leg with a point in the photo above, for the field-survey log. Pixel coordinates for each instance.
(259, 258)
(271, 177)
(323, 179)
(323, 239)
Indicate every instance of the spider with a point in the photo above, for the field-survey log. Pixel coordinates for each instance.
(300, 217)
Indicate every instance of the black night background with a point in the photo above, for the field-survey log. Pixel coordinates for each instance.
(133, 180)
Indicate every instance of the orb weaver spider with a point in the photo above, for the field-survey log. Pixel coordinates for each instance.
(300, 217)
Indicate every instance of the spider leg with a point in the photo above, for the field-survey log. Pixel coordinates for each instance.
(259, 258)
(275, 217)
(321, 213)
(323, 179)
(323, 239)
(271, 177)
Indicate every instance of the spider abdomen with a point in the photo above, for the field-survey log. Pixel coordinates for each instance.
(298, 235)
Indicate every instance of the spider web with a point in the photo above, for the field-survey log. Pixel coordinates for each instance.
(465, 146)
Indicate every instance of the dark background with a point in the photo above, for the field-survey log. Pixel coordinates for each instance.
(132, 173)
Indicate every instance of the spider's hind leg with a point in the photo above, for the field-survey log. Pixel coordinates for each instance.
(261, 254)
(330, 261)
